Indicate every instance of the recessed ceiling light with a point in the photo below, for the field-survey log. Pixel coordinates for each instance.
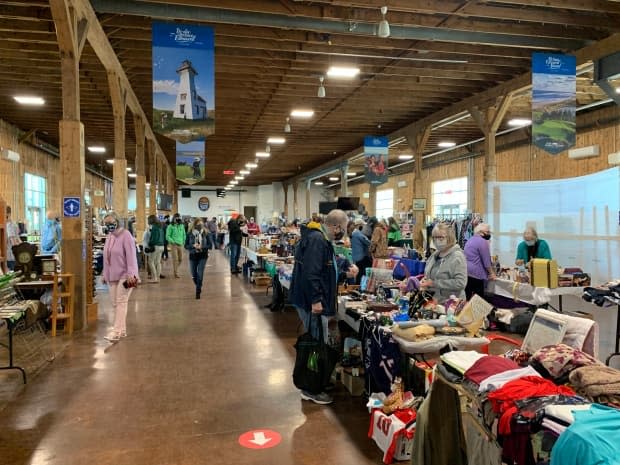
(234, 183)
(276, 140)
(132, 175)
(343, 72)
(405, 157)
(262, 155)
(29, 100)
(128, 168)
(302, 113)
(96, 149)
(239, 178)
(227, 188)
(446, 145)
(251, 165)
(351, 173)
(110, 161)
(519, 122)
(244, 172)
(334, 178)
(318, 183)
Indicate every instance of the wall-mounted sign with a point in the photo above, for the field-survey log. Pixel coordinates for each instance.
(229, 172)
(419, 204)
(203, 204)
(98, 193)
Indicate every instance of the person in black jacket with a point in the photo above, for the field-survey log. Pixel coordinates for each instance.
(198, 243)
(235, 236)
(314, 282)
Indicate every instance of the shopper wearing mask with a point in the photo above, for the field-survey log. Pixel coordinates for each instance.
(234, 242)
(393, 235)
(175, 235)
(51, 236)
(446, 269)
(12, 239)
(478, 256)
(156, 247)
(212, 230)
(359, 250)
(198, 243)
(532, 247)
(120, 272)
(378, 242)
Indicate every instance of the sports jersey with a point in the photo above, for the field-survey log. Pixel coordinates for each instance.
(386, 430)
(381, 357)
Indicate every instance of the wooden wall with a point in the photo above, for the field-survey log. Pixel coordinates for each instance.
(517, 160)
(40, 163)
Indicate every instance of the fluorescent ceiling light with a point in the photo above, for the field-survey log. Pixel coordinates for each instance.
(110, 161)
(405, 157)
(519, 122)
(343, 72)
(318, 183)
(276, 140)
(227, 188)
(262, 155)
(128, 168)
(132, 175)
(251, 165)
(147, 185)
(446, 145)
(234, 183)
(333, 178)
(351, 173)
(29, 100)
(239, 178)
(302, 113)
(96, 149)
(617, 90)
(244, 172)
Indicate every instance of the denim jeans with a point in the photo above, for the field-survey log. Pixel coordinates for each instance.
(310, 321)
(197, 269)
(213, 238)
(235, 250)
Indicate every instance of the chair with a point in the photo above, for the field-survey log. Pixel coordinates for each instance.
(63, 293)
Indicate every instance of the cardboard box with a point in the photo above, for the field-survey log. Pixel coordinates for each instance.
(354, 384)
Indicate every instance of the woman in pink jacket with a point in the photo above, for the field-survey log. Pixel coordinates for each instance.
(120, 272)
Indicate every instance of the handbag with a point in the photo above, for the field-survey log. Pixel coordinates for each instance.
(149, 249)
(315, 361)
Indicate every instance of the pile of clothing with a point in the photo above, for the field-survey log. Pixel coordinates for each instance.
(608, 293)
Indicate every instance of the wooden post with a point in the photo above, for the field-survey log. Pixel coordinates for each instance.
(285, 189)
(372, 200)
(140, 178)
(344, 185)
(160, 184)
(417, 142)
(71, 34)
(295, 202)
(118, 96)
(308, 212)
(488, 121)
(152, 177)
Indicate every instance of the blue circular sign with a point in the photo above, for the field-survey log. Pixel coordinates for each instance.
(203, 204)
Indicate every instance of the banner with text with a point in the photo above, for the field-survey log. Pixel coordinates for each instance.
(191, 160)
(376, 159)
(183, 81)
(554, 88)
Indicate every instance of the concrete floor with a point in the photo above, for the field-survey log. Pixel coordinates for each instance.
(191, 377)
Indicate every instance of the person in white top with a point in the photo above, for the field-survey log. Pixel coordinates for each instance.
(12, 238)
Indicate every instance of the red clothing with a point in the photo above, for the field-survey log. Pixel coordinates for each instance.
(503, 399)
(253, 229)
(489, 366)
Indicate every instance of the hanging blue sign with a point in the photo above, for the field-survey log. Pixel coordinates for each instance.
(554, 89)
(183, 81)
(376, 159)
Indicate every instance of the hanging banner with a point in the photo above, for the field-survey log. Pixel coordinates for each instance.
(183, 81)
(376, 159)
(554, 88)
(191, 160)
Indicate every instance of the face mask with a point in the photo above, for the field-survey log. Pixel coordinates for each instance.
(486, 236)
(198, 227)
(338, 236)
(111, 227)
(530, 243)
(440, 244)
(178, 221)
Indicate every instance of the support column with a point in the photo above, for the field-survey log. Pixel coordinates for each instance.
(71, 34)
(488, 121)
(118, 96)
(372, 200)
(308, 212)
(152, 178)
(417, 142)
(140, 178)
(160, 177)
(344, 180)
(285, 189)
(295, 202)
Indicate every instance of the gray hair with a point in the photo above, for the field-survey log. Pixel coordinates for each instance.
(532, 230)
(337, 218)
(482, 227)
(113, 215)
(448, 230)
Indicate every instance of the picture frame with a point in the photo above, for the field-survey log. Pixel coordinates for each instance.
(419, 204)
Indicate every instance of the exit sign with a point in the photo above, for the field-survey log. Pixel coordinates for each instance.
(229, 172)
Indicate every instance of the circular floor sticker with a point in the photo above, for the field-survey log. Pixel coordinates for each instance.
(260, 439)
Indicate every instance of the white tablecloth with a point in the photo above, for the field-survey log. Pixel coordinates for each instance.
(255, 256)
(527, 293)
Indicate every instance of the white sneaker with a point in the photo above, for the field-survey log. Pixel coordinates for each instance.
(123, 334)
(112, 337)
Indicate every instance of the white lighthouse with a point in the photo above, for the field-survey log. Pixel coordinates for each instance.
(189, 104)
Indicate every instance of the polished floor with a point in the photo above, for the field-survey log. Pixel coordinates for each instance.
(190, 379)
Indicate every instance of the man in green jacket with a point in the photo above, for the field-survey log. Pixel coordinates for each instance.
(175, 235)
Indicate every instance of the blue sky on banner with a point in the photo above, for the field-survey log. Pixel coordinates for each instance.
(173, 43)
(374, 145)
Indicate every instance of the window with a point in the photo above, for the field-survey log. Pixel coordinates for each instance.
(384, 206)
(183, 96)
(34, 187)
(450, 197)
(182, 109)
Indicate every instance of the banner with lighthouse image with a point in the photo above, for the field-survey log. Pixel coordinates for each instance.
(183, 81)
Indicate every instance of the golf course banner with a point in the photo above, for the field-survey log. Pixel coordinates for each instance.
(190, 167)
(554, 87)
(376, 159)
(183, 81)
